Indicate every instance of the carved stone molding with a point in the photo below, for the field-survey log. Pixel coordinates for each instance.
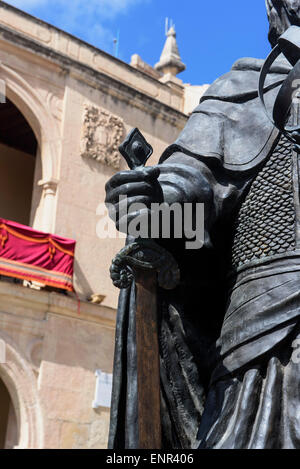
(102, 134)
(21, 382)
(34, 353)
(54, 104)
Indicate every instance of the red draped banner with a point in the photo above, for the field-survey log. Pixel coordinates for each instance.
(32, 255)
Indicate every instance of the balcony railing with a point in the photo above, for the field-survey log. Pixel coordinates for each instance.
(32, 255)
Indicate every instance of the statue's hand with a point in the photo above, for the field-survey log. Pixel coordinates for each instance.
(138, 186)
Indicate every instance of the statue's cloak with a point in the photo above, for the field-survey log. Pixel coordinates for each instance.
(230, 133)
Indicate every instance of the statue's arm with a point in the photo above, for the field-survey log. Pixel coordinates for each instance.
(181, 178)
(184, 178)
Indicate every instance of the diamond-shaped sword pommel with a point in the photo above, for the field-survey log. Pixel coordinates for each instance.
(135, 149)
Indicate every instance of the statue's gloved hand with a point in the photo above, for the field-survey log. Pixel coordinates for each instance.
(128, 188)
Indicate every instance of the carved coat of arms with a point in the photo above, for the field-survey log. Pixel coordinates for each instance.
(102, 135)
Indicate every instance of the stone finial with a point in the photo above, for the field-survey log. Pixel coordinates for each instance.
(170, 60)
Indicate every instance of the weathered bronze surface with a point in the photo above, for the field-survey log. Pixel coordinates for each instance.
(228, 332)
(150, 266)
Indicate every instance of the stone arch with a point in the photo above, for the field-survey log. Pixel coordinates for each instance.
(21, 383)
(47, 133)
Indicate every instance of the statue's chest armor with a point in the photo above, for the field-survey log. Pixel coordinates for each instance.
(266, 222)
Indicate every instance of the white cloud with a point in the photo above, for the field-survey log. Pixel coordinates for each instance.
(27, 3)
(88, 19)
(107, 8)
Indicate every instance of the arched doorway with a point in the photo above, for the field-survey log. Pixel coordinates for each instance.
(18, 164)
(9, 433)
(24, 428)
(46, 128)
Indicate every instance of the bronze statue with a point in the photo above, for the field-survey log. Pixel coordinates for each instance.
(229, 375)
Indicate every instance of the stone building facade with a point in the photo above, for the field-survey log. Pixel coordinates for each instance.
(68, 106)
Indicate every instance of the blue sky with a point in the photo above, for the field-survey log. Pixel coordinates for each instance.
(211, 34)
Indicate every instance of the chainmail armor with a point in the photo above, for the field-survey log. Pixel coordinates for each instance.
(265, 224)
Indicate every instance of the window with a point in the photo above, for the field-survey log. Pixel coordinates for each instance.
(18, 150)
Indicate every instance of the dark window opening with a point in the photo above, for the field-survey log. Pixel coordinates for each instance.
(18, 148)
(8, 421)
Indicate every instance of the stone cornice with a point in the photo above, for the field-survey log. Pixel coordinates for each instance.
(38, 304)
(80, 42)
(96, 79)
